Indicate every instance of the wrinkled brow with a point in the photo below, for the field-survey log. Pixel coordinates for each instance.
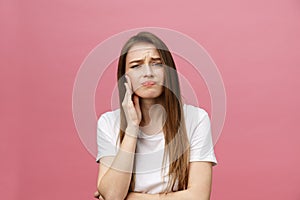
(140, 60)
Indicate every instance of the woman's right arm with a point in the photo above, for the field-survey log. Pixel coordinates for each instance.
(114, 183)
(114, 179)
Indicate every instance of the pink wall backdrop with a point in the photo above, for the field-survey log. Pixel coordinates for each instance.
(254, 43)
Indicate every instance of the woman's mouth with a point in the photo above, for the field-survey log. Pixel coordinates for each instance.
(148, 83)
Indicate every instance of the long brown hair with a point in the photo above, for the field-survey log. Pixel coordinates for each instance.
(176, 141)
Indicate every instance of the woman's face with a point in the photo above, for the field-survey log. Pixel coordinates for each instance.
(145, 70)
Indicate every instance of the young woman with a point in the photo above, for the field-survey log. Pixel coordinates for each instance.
(154, 146)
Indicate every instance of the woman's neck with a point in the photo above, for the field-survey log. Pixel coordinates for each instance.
(152, 115)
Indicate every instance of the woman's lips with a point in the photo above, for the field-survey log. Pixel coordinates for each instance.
(148, 83)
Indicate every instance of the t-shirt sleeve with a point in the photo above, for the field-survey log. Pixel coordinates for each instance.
(202, 148)
(105, 138)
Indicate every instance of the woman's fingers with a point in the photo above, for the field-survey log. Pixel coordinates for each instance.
(129, 83)
(137, 106)
(127, 95)
(136, 102)
(128, 89)
(131, 105)
(98, 196)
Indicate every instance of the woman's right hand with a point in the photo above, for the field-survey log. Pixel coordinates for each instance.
(131, 108)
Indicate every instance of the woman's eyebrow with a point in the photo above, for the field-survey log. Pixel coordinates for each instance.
(155, 58)
(140, 60)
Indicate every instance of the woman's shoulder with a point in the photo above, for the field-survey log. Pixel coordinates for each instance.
(194, 112)
(195, 117)
(110, 116)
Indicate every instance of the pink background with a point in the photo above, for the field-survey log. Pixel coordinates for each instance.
(254, 43)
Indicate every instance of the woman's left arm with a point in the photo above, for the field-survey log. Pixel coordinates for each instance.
(199, 185)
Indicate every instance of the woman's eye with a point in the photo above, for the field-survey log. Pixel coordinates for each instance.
(134, 66)
(157, 64)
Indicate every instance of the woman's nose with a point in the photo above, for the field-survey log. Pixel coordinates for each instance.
(148, 70)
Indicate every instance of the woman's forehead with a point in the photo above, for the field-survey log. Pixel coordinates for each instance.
(142, 49)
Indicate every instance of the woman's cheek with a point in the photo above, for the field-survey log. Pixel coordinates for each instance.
(135, 86)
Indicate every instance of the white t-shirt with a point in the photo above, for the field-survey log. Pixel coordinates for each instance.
(150, 148)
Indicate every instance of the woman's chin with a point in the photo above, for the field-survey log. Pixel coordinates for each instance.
(148, 94)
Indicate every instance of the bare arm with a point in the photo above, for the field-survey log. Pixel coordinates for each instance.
(114, 179)
(115, 182)
(199, 186)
